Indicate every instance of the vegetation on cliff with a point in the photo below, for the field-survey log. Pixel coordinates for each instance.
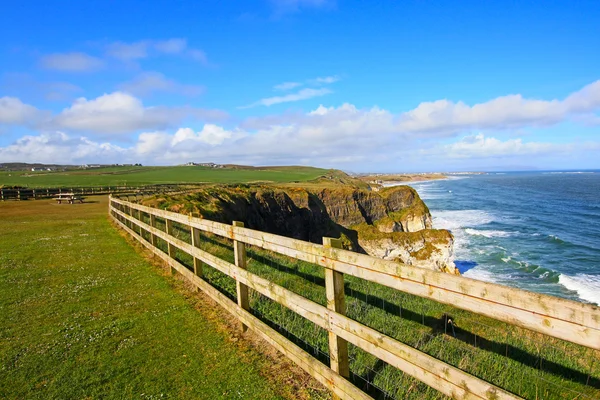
(395, 218)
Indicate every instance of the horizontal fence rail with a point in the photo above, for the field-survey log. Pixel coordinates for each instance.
(26, 193)
(559, 318)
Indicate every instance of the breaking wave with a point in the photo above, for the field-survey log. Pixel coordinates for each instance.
(587, 286)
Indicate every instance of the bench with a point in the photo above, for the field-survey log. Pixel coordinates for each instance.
(71, 198)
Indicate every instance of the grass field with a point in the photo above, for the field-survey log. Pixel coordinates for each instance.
(82, 316)
(531, 365)
(138, 176)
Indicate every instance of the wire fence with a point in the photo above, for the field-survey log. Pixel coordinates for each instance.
(531, 365)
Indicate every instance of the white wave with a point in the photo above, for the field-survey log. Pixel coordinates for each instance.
(433, 194)
(587, 286)
(487, 234)
(410, 183)
(429, 190)
(481, 275)
(455, 219)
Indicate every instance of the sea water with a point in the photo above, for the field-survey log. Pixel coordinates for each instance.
(538, 231)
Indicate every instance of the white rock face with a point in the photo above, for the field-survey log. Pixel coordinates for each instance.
(415, 223)
(440, 259)
(412, 223)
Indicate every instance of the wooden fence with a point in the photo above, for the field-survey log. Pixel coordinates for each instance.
(44, 193)
(560, 318)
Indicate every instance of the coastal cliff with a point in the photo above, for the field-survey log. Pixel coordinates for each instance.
(392, 224)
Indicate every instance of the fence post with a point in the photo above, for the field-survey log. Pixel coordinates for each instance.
(196, 243)
(152, 224)
(170, 247)
(239, 251)
(334, 288)
(139, 217)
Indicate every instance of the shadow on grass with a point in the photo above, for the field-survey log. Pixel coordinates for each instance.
(440, 326)
(284, 268)
(363, 382)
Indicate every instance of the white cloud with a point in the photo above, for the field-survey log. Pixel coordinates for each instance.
(198, 55)
(128, 51)
(287, 85)
(120, 112)
(71, 62)
(59, 147)
(14, 112)
(210, 134)
(303, 94)
(27, 85)
(345, 134)
(150, 82)
(282, 7)
(145, 48)
(479, 146)
(505, 112)
(152, 144)
(171, 46)
(326, 80)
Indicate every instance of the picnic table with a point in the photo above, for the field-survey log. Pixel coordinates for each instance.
(71, 198)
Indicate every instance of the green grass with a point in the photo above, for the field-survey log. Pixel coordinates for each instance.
(82, 315)
(523, 362)
(137, 176)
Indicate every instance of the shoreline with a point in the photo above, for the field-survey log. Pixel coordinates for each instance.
(399, 179)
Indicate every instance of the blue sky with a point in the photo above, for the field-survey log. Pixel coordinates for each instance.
(361, 86)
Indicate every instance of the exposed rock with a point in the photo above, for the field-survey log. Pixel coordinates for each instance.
(392, 223)
(429, 248)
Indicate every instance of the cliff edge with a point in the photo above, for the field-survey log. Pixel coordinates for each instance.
(392, 223)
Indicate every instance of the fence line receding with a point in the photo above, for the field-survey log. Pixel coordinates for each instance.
(559, 318)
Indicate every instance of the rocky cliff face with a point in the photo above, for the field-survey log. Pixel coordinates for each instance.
(393, 223)
(427, 248)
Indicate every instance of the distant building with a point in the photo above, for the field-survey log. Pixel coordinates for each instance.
(207, 164)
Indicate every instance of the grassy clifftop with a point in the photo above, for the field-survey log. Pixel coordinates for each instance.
(393, 223)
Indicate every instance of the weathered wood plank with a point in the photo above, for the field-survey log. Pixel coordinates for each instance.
(152, 224)
(239, 254)
(195, 234)
(437, 374)
(334, 289)
(170, 247)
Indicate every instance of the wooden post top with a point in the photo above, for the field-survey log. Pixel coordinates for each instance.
(332, 242)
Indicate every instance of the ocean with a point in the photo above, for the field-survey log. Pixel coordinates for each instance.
(538, 231)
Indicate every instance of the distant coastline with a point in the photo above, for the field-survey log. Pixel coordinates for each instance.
(386, 179)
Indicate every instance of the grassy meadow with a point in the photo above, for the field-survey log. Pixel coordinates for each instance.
(83, 315)
(139, 176)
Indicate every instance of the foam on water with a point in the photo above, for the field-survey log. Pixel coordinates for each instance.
(429, 191)
(587, 286)
(455, 219)
(481, 275)
(487, 234)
